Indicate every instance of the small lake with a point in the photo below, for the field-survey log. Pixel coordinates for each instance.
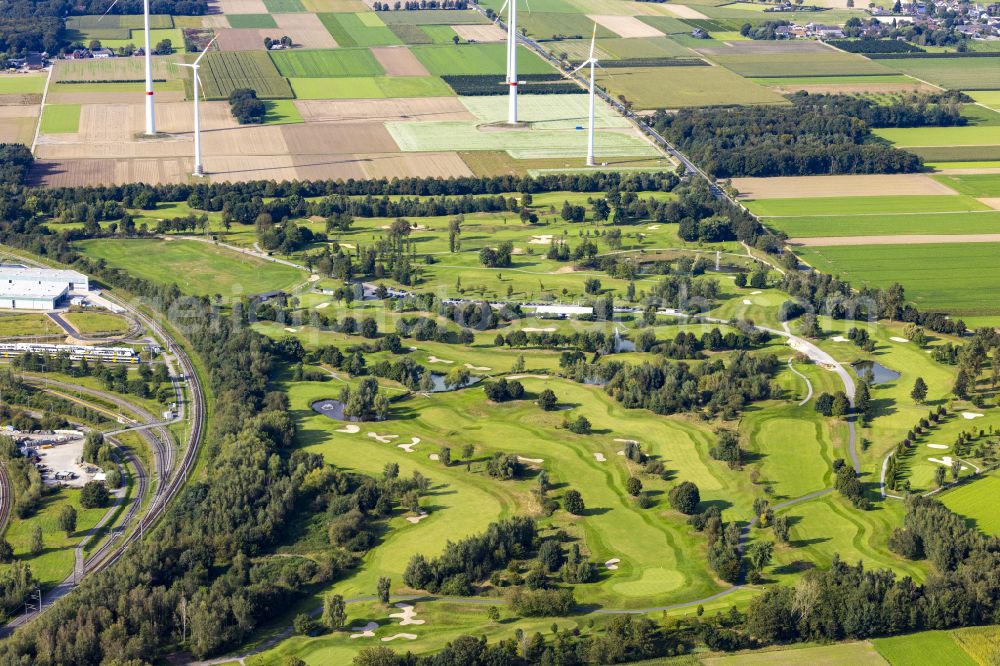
(333, 409)
(439, 385)
(878, 373)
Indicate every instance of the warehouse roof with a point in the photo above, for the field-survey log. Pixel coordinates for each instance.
(31, 290)
(19, 272)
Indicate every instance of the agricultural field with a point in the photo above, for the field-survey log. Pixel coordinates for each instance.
(476, 59)
(61, 119)
(930, 646)
(951, 73)
(223, 72)
(196, 267)
(676, 87)
(365, 29)
(332, 63)
(113, 70)
(21, 83)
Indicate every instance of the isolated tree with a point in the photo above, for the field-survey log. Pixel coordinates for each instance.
(685, 497)
(919, 392)
(939, 475)
(334, 612)
(444, 455)
(376, 656)
(67, 519)
(573, 502)
(633, 486)
(780, 527)
(547, 400)
(384, 583)
(493, 613)
(37, 545)
(841, 405)
(956, 469)
(759, 555)
(94, 495)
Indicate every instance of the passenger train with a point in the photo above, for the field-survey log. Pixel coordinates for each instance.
(76, 352)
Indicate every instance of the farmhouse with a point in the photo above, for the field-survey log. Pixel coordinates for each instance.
(27, 288)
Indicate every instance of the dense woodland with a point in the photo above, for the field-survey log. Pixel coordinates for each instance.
(816, 135)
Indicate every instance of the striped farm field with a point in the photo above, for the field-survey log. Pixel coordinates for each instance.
(870, 205)
(976, 502)
(365, 29)
(111, 69)
(928, 647)
(477, 59)
(952, 73)
(950, 277)
(800, 64)
(964, 222)
(224, 71)
(327, 63)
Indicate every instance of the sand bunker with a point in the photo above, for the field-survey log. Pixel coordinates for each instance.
(625, 441)
(414, 519)
(537, 461)
(367, 631)
(653, 227)
(937, 446)
(409, 447)
(544, 239)
(612, 564)
(527, 376)
(480, 368)
(322, 305)
(547, 329)
(839, 338)
(599, 457)
(350, 429)
(434, 456)
(747, 301)
(290, 330)
(435, 359)
(621, 453)
(408, 615)
(895, 339)
(409, 637)
(754, 293)
(971, 415)
(945, 460)
(385, 439)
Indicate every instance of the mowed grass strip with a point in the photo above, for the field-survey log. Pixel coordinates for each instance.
(676, 87)
(358, 30)
(928, 647)
(477, 59)
(969, 222)
(976, 135)
(251, 21)
(197, 268)
(976, 501)
(327, 63)
(868, 205)
(949, 277)
(975, 185)
(224, 71)
(61, 119)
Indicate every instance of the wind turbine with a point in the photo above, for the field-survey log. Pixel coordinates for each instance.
(512, 82)
(592, 61)
(198, 168)
(150, 114)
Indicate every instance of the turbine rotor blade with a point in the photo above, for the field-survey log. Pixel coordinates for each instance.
(110, 7)
(593, 39)
(207, 47)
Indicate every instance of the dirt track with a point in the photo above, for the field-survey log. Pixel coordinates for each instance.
(920, 239)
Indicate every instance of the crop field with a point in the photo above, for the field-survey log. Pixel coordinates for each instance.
(546, 25)
(327, 63)
(283, 6)
(951, 73)
(433, 17)
(838, 654)
(61, 118)
(676, 87)
(941, 136)
(411, 34)
(252, 21)
(111, 69)
(935, 647)
(95, 21)
(648, 47)
(975, 185)
(136, 38)
(976, 501)
(359, 29)
(222, 72)
(545, 111)
(864, 205)
(197, 268)
(800, 64)
(21, 83)
(949, 277)
(441, 35)
(477, 59)
(967, 222)
(376, 87)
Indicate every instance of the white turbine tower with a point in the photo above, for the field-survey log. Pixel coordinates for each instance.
(198, 168)
(592, 61)
(147, 51)
(512, 82)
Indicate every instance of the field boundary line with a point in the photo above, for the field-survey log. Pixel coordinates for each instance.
(41, 109)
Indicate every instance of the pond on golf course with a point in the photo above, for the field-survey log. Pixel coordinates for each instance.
(878, 373)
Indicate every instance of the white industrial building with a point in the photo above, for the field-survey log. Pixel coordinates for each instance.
(563, 310)
(26, 288)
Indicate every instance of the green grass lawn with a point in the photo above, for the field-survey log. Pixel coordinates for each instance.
(975, 185)
(968, 222)
(21, 83)
(97, 322)
(477, 59)
(359, 30)
(197, 268)
(56, 560)
(928, 647)
(976, 501)
(949, 277)
(442, 35)
(867, 205)
(27, 324)
(972, 135)
(281, 112)
(61, 119)
(327, 63)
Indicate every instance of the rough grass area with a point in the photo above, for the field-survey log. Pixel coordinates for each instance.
(197, 268)
(27, 324)
(95, 323)
(61, 118)
(949, 277)
(375, 87)
(928, 647)
(327, 63)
